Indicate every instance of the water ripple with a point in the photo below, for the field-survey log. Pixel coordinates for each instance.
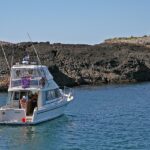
(107, 118)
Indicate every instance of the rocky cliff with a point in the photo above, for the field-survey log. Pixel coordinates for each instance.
(114, 61)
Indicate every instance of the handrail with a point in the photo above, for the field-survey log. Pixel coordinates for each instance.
(68, 91)
(32, 83)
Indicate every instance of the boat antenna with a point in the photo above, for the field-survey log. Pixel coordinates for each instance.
(34, 49)
(12, 59)
(36, 55)
(5, 55)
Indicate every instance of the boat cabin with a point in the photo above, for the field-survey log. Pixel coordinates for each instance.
(33, 83)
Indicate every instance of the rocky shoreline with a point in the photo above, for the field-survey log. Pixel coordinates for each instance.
(114, 61)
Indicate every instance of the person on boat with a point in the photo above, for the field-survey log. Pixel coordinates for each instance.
(34, 100)
(42, 81)
(31, 103)
(23, 102)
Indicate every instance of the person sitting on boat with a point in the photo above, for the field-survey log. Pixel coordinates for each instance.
(42, 81)
(23, 102)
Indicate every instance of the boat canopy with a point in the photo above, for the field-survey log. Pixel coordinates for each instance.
(30, 76)
(32, 71)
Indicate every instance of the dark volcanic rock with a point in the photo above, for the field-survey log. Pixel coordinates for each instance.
(110, 62)
(60, 77)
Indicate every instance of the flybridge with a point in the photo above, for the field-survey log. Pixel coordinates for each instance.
(29, 76)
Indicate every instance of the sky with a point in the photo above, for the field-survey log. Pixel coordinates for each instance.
(73, 21)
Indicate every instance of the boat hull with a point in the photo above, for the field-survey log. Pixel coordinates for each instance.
(40, 115)
(49, 113)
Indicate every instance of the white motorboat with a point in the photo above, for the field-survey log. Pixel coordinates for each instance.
(33, 96)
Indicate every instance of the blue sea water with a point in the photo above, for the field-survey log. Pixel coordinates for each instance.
(112, 117)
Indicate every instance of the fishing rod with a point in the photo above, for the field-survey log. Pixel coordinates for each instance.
(37, 56)
(34, 49)
(5, 55)
(12, 58)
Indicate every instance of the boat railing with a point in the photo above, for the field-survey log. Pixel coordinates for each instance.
(68, 91)
(11, 105)
(25, 83)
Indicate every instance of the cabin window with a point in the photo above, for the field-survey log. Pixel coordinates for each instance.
(16, 96)
(49, 95)
(57, 93)
(19, 95)
(53, 94)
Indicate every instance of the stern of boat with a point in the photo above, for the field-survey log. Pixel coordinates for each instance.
(10, 115)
